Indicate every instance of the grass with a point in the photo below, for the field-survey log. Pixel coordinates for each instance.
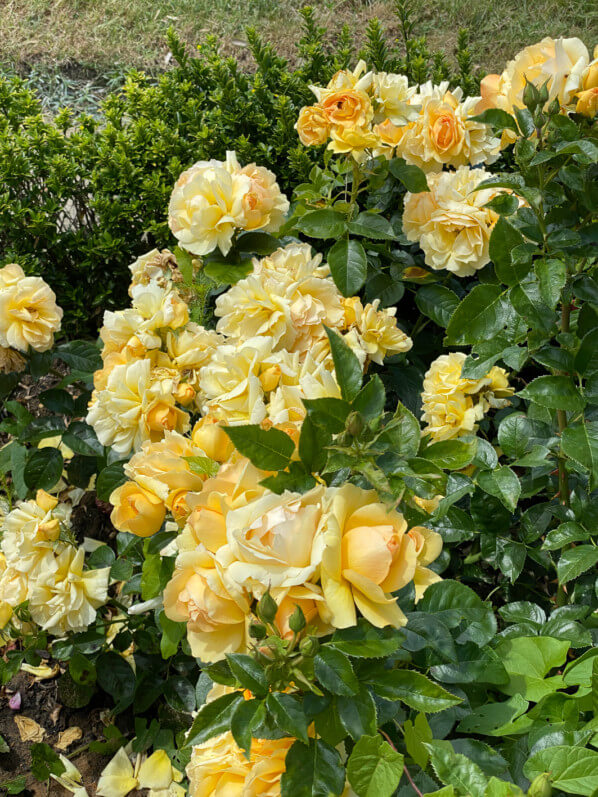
(107, 35)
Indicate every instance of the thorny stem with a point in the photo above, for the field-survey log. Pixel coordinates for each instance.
(562, 414)
(354, 185)
(405, 770)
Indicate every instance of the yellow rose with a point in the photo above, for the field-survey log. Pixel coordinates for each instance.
(274, 540)
(450, 222)
(587, 102)
(11, 361)
(589, 79)
(219, 767)
(309, 599)
(66, 599)
(153, 266)
(377, 330)
(312, 126)
(264, 205)
(354, 140)
(216, 612)
(236, 485)
(367, 555)
(347, 108)
(209, 435)
(393, 98)
(428, 545)
(137, 510)
(388, 133)
(32, 530)
(192, 348)
(29, 315)
(11, 275)
(206, 206)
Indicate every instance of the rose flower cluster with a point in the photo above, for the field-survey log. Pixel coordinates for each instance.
(376, 113)
(29, 317)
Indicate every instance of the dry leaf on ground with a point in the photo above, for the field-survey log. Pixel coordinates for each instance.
(29, 730)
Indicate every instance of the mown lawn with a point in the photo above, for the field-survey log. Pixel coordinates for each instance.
(108, 34)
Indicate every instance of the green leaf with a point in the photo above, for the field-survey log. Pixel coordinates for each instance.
(552, 275)
(565, 534)
(258, 243)
(43, 468)
(348, 266)
(490, 719)
(457, 605)
(269, 449)
(580, 443)
(415, 690)
(335, 672)
(503, 484)
(514, 434)
(573, 770)
(225, 273)
(372, 225)
(324, 223)
(496, 118)
(417, 733)
(313, 770)
(576, 561)
(349, 373)
(203, 466)
(59, 401)
(437, 302)
(80, 355)
(288, 714)
(248, 716)
(81, 438)
(503, 204)
(451, 454)
(370, 400)
(374, 769)
(357, 714)
(528, 303)
(312, 445)
(109, 478)
(503, 240)
(116, 677)
(4, 748)
(402, 433)
(454, 769)
(214, 718)
(480, 315)
(554, 392)
(180, 694)
(184, 261)
(330, 413)
(412, 177)
(172, 634)
(44, 761)
(248, 672)
(586, 358)
(365, 641)
(528, 660)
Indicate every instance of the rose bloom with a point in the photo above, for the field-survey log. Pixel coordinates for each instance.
(264, 205)
(31, 530)
(453, 405)
(428, 545)
(154, 266)
(192, 348)
(357, 141)
(236, 485)
(274, 540)
(132, 409)
(310, 379)
(137, 510)
(209, 435)
(443, 133)
(393, 97)
(367, 555)
(450, 221)
(230, 385)
(11, 361)
(218, 767)
(206, 206)
(13, 591)
(216, 612)
(29, 315)
(587, 102)
(347, 108)
(66, 599)
(309, 598)
(121, 334)
(377, 329)
(11, 275)
(160, 307)
(312, 126)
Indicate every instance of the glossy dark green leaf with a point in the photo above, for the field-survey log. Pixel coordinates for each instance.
(348, 266)
(269, 449)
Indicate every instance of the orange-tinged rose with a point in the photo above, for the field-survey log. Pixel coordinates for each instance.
(389, 133)
(184, 394)
(312, 126)
(162, 416)
(587, 102)
(490, 90)
(137, 510)
(209, 435)
(347, 108)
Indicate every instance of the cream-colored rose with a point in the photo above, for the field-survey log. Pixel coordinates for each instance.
(367, 555)
(132, 408)
(192, 348)
(450, 221)
(13, 591)
(157, 774)
(218, 767)
(11, 361)
(444, 134)
(32, 530)
(11, 275)
(452, 405)
(29, 315)
(377, 330)
(394, 99)
(264, 205)
(121, 334)
(312, 126)
(236, 485)
(206, 207)
(154, 266)
(161, 308)
(216, 612)
(307, 379)
(274, 540)
(230, 385)
(66, 599)
(137, 510)
(587, 102)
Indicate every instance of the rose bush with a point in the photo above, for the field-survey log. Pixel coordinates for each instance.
(347, 442)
